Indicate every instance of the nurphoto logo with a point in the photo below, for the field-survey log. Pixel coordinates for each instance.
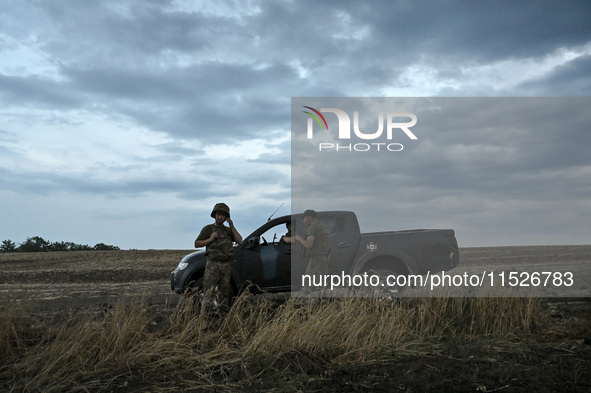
(393, 125)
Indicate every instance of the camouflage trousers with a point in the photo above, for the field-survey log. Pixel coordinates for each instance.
(317, 266)
(216, 287)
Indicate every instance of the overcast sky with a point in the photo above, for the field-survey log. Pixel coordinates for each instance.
(124, 122)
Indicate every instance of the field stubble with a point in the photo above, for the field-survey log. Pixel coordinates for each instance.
(106, 321)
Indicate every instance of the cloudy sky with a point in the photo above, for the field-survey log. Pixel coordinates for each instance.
(123, 122)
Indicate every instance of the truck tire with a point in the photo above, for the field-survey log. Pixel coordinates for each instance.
(385, 290)
(194, 287)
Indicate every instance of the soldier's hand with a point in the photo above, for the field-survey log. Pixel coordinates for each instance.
(214, 236)
(230, 222)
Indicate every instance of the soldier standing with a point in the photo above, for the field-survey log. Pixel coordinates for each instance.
(218, 241)
(316, 245)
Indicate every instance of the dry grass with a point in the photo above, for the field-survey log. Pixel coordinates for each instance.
(123, 345)
(442, 343)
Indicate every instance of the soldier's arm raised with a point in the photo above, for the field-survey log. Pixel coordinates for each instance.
(235, 233)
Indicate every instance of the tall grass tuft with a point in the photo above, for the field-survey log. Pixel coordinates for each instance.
(18, 326)
(103, 348)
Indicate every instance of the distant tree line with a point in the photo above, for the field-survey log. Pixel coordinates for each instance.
(38, 244)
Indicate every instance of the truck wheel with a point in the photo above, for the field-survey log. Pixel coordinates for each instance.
(385, 290)
(195, 287)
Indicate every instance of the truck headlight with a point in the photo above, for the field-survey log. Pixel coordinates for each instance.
(182, 265)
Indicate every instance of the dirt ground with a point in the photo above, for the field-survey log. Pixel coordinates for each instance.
(74, 281)
(82, 279)
(57, 280)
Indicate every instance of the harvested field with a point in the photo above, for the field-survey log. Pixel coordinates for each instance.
(107, 321)
(82, 279)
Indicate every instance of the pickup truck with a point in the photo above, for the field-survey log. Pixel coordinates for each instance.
(274, 266)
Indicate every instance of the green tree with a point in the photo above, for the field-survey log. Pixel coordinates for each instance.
(8, 246)
(80, 247)
(37, 244)
(58, 246)
(34, 244)
(103, 246)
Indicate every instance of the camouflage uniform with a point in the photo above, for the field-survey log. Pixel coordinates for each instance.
(216, 279)
(320, 250)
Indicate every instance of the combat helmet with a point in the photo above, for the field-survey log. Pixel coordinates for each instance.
(222, 208)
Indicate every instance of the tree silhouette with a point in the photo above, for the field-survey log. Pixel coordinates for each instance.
(8, 246)
(37, 244)
(34, 244)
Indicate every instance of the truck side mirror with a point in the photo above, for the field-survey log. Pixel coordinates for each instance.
(252, 242)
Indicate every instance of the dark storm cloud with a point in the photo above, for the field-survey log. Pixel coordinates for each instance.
(361, 45)
(570, 79)
(213, 104)
(206, 102)
(128, 28)
(134, 66)
(35, 92)
(482, 31)
(222, 74)
(510, 159)
(208, 177)
(47, 183)
(492, 144)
